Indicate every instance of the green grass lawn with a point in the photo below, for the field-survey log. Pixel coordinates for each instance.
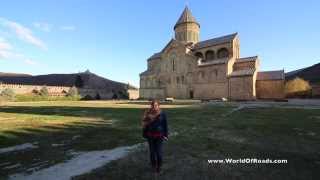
(201, 132)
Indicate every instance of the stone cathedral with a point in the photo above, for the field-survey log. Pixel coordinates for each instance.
(187, 68)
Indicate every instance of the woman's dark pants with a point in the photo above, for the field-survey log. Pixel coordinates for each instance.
(155, 148)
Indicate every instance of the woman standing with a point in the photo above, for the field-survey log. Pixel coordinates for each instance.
(155, 130)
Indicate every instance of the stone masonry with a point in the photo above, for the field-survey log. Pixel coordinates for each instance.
(187, 68)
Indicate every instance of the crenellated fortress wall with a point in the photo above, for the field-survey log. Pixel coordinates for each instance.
(63, 90)
(29, 89)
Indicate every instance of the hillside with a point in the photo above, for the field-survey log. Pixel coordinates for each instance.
(311, 74)
(88, 80)
(2, 74)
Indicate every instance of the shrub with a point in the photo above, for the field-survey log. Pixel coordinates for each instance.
(32, 97)
(114, 96)
(123, 95)
(7, 94)
(87, 97)
(297, 88)
(98, 96)
(35, 91)
(44, 91)
(79, 82)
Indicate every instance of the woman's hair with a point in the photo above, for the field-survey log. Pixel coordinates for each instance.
(146, 120)
(154, 101)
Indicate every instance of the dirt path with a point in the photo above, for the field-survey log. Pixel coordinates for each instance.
(20, 147)
(82, 163)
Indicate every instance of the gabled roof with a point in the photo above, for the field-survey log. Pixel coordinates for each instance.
(271, 75)
(243, 72)
(246, 59)
(215, 41)
(158, 54)
(146, 72)
(168, 44)
(155, 56)
(310, 74)
(186, 17)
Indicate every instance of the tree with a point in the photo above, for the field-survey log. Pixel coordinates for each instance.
(123, 95)
(297, 87)
(44, 91)
(87, 97)
(98, 96)
(73, 92)
(114, 96)
(35, 91)
(7, 94)
(78, 82)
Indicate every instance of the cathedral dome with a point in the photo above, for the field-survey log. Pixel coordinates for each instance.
(186, 17)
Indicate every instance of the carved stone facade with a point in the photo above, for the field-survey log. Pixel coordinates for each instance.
(186, 68)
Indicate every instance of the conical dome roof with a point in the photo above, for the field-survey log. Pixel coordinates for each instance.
(186, 17)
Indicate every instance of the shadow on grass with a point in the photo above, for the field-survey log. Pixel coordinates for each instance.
(90, 128)
(94, 119)
(203, 134)
(124, 120)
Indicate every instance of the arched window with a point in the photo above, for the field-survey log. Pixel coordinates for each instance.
(199, 55)
(201, 76)
(223, 53)
(189, 35)
(213, 74)
(173, 61)
(169, 80)
(178, 80)
(209, 55)
(173, 65)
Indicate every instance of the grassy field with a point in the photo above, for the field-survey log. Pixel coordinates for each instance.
(200, 132)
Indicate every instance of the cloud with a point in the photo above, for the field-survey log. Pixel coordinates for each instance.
(4, 45)
(11, 55)
(30, 62)
(7, 52)
(68, 28)
(43, 26)
(23, 33)
(4, 54)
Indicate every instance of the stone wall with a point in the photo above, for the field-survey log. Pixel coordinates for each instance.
(133, 93)
(63, 90)
(211, 91)
(199, 73)
(187, 32)
(242, 88)
(96, 93)
(28, 89)
(270, 89)
(152, 93)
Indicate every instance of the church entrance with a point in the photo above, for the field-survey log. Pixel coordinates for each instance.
(191, 94)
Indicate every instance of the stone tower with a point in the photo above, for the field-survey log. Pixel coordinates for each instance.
(187, 28)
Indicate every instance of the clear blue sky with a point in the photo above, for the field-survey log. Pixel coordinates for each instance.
(114, 38)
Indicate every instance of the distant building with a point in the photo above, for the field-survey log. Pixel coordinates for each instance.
(188, 68)
(89, 85)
